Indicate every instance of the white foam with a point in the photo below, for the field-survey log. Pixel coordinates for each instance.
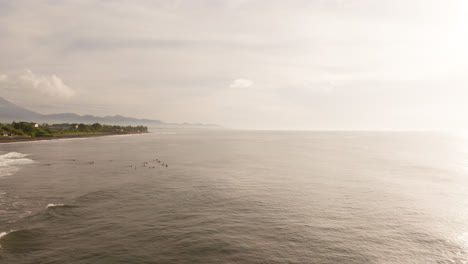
(10, 162)
(54, 205)
(2, 234)
(13, 155)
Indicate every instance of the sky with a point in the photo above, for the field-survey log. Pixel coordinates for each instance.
(247, 64)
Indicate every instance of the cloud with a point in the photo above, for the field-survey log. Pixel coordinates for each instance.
(241, 83)
(128, 53)
(48, 85)
(3, 77)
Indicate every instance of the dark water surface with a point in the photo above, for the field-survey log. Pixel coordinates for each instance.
(236, 197)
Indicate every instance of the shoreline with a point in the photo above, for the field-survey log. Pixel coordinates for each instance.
(63, 136)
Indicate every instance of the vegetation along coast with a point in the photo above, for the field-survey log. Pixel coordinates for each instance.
(30, 131)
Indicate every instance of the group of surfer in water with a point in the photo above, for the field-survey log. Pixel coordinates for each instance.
(145, 163)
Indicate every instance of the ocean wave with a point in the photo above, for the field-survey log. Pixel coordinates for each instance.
(52, 205)
(2, 234)
(21, 241)
(10, 162)
(54, 211)
(13, 155)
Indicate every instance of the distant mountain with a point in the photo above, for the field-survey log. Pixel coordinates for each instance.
(89, 119)
(11, 112)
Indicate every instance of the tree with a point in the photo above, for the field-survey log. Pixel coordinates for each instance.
(26, 127)
(83, 128)
(96, 127)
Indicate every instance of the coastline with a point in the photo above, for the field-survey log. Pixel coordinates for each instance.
(63, 136)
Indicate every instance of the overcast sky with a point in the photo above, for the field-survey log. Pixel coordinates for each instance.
(296, 64)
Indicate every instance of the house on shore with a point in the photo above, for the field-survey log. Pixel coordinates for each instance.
(6, 134)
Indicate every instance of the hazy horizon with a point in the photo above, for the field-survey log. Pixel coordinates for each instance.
(246, 64)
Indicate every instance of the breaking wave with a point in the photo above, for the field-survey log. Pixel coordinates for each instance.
(21, 241)
(52, 205)
(11, 162)
(2, 234)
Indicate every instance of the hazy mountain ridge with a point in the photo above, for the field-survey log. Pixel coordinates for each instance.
(11, 112)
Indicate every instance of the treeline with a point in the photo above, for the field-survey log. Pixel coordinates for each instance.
(46, 130)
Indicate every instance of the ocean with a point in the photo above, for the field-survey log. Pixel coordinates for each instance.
(229, 196)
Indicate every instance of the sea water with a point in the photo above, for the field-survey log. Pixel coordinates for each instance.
(236, 197)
